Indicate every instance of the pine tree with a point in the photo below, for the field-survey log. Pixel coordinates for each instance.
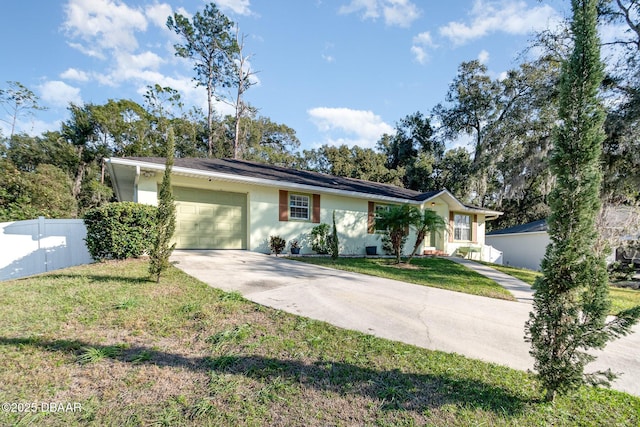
(165, 218)
(571, 302)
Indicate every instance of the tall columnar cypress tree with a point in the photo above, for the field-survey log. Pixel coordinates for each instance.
(571, 300)
(165, 219)
(334, 247)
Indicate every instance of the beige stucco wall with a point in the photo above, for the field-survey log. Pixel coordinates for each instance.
(147, 191)
(351, 222)
(263, 208)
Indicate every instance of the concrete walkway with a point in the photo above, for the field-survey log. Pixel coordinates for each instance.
(520, 290)
(478, 327)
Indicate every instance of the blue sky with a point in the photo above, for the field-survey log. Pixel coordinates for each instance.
(336, 71)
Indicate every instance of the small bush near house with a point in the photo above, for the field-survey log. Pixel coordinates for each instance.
(277, 244)
(120, 230)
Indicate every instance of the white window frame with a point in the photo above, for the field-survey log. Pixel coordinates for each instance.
(299, 203)
(462, 230)
(379, 207)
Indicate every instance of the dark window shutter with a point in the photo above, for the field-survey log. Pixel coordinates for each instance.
(371, 218)
(284, 206)
(315, 217)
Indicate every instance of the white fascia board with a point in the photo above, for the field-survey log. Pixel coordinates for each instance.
(261, 181)
(526, 233)
(448, 195)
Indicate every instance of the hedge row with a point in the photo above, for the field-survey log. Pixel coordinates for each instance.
(120, 230)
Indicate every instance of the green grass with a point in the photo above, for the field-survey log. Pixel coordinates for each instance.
(434, 272)
(186, 354)
(524, 274)
(621, 299)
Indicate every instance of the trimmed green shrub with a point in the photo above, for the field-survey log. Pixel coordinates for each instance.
(120, 230)
(320, 238)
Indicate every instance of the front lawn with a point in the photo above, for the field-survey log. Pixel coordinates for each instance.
(104, 346)
(434, 272)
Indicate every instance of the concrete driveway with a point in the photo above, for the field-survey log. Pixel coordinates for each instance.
(481, 328)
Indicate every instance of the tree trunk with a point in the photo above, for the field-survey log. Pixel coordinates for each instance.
(236, 140)
(210, 118)
(419, 239)
(77, 182)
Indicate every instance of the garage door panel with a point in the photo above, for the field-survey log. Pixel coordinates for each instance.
(187, 241)
(184, 209)
(209, 219)
(205, 211)
(226, 227)
(206, 228)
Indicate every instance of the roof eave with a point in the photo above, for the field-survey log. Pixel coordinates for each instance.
(259, 181)
(114, 179)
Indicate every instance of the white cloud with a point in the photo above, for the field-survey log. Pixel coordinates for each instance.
(103, 24)
(328, 58)
(363, 128)
(241, 7)
(508, 16)
(420, 44)
(59, 93)
(483, 57)
(95, 53)
(420, 54)
(395, 12)
(370, 8)
(144, 60)
(158, 14)
(400, 12)
(326, 55)
(73, 74)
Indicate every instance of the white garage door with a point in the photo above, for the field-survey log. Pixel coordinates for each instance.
(210, 219)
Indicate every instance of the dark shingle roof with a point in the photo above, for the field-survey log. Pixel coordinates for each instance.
(532, 227)
(277, 173)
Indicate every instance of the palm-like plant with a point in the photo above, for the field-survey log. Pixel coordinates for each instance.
(396, 221)
(425, 223)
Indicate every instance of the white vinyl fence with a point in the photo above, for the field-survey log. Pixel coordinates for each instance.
(40, 245)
